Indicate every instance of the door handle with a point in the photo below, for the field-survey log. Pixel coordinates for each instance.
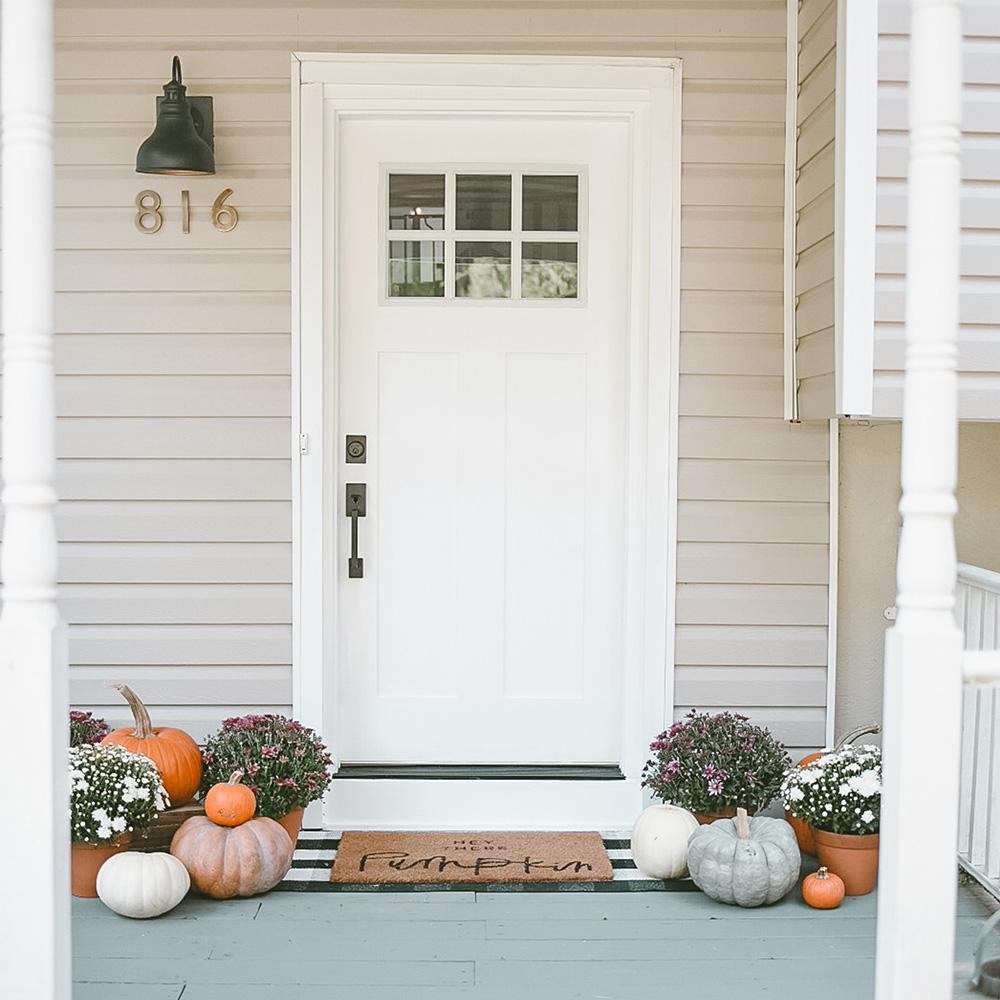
(355, 508)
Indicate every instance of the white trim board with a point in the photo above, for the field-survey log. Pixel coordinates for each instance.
(647, 93)
(854, 192)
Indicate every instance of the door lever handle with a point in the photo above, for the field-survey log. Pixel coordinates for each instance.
(355, 508)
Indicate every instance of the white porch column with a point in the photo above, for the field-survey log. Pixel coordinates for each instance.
(34, 834)
(923, 655)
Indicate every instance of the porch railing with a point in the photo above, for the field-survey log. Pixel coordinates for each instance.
(977, 607)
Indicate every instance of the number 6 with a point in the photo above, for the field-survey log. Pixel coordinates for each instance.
(224, 217)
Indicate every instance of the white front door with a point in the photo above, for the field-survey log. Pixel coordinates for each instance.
(478, 368)
(482, 302)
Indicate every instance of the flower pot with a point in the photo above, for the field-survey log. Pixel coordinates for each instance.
(86, 860)
(292, 822)
(728, 813)
(854, 857)
(803, 834)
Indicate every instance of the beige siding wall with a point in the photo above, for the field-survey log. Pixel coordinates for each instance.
(979, 347)
(869, 533)
(814, 205)
(174, 349)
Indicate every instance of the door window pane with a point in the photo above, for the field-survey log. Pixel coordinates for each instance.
(416, 268)
(549, 203)
(482, 201)
(416, 201)
(548, 270)
(482, 270)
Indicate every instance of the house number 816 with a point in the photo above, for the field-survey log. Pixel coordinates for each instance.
(149, 218)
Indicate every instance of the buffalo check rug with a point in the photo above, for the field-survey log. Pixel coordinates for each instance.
(316, 852)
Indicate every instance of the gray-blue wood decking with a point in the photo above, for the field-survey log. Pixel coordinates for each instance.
(500, 946)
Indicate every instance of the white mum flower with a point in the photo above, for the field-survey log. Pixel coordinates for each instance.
(867, 816)
(866, 784)
(795, 795)
(118, 824)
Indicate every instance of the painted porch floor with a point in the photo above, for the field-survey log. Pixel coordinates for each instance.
(493, 946)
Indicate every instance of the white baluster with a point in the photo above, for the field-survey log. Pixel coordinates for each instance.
(34, 927)
(923, 660)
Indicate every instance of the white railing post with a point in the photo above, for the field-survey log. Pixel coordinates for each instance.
(34, 881)
(923, 655)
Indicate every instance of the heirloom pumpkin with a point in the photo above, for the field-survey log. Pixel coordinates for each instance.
(171, 750)
(743, 861)
(229, 803)
(659, 841)
(142, 885)
(226, 861)
(823, 890)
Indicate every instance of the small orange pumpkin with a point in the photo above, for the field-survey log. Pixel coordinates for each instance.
(171, 750)
(823, 890)
(229, 803)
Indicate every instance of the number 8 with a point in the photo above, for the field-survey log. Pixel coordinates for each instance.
(151, 211)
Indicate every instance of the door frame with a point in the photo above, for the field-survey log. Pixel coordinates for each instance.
(644, 92)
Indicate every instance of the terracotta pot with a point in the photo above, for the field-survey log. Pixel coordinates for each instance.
(803, 834)
(292, 822)
(86, 860)
(854, 857)
(728, 813)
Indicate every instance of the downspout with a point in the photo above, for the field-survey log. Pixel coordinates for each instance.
(35, 925)
(791, 218)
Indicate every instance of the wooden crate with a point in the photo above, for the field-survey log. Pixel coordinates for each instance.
(163, 828)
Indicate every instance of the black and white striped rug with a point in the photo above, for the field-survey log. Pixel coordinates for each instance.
(316, 849)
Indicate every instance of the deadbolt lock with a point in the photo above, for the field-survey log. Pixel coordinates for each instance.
(356, 449)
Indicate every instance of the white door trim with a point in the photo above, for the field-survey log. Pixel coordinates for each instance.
(647, 93)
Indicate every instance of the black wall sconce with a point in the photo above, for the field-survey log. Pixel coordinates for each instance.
(183, 140)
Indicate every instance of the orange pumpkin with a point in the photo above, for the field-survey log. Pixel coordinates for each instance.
(227, 861)
(229, 803)
(823, 890)
(171, 750)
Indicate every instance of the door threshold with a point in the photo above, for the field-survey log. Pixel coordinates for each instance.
(482, 772)
(392, 802)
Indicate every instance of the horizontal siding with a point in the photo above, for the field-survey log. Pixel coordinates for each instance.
(979, 301)
(814, 206)
(175, 604)
(174, 350)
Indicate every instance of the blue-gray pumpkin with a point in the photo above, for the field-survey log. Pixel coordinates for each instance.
(743, 861)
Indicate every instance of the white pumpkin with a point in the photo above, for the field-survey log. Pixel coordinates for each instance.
(659, 841)
(142, 885)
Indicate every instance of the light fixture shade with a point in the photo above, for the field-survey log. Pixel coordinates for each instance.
(175, 147)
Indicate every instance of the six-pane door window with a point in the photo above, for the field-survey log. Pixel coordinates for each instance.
(483, 235)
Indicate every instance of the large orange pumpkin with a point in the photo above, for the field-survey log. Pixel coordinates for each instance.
(226, 861)
(171, 750)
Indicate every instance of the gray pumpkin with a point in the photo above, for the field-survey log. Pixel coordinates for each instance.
(743, 861)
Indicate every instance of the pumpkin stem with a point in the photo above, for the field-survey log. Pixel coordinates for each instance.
(823, 873)
(235, 778)
(852, 735)
(742, 824)
(143, 726)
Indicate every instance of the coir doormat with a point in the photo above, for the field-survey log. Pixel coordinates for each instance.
(383, 857)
